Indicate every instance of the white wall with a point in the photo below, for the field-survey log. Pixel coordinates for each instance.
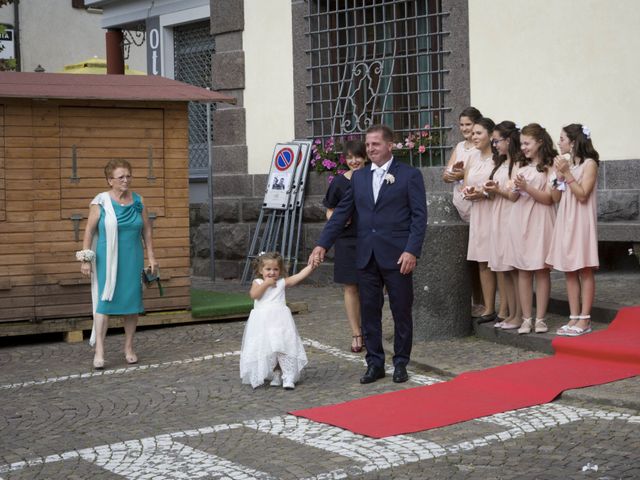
(558, 62)
(53, 34)
(268, 95)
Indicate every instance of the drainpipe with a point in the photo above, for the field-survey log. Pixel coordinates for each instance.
(16, 33)
(115, 55)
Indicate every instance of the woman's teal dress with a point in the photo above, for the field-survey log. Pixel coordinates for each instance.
(127, 297)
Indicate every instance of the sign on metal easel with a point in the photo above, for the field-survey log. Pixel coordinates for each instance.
(279, 225)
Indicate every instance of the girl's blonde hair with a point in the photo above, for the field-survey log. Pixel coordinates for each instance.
(258, 263)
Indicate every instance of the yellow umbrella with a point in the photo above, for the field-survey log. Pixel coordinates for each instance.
(96, 65)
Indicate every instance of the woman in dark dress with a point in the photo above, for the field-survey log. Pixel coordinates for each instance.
(344, 265)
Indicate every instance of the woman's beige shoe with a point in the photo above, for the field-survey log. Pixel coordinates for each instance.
(541, 327)
(526, 326)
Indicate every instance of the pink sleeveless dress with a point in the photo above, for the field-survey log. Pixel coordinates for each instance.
(530, 225)
(463, 206)
(574, 244)
(500, 212)
(480, 224)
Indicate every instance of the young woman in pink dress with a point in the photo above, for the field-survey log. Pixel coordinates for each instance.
(531, 225)
(454, 173)
(477, 173)
(574, 245)
(506, 141)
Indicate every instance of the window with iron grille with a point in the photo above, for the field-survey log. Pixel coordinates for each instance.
(379, 61)
(193, 47)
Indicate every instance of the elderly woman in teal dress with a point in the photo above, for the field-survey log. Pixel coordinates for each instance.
(112, 254)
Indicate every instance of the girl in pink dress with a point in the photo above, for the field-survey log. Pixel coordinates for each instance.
(574, 245)
(506, 141)
(477, 173)
(454, 173)
(531, 225)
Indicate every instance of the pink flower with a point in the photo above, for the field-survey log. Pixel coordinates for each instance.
(342, 159)
(427, 126)
(410, 145)
(424, 134)
(422, 149)
(317, 141)
(399, 145)
(330, 178)
(328, 164)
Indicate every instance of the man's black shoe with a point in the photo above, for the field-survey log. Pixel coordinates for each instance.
(372, 374)
(400, 374)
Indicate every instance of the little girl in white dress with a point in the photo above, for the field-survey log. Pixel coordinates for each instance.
(271, 347)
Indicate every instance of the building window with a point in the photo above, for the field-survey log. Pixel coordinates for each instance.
(378, 62)
(193, 48)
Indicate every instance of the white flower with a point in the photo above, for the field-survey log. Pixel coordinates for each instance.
(389, 178)
(85, 255)
(587, 131)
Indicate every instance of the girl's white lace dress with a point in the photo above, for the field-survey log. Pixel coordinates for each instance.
(271, 338)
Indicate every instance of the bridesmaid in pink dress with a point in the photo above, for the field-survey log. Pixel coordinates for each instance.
(506, 141)
(477, 173)
(531, 225)
(454, 173)
(574, 245)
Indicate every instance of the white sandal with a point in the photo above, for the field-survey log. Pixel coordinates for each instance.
(577, 331)
(566, 328)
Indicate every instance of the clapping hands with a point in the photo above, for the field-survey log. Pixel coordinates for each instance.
(491, 186)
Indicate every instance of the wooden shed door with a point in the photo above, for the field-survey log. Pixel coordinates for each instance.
(17, 290)
(89, 138)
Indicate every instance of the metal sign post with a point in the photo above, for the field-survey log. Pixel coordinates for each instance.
(281, 213)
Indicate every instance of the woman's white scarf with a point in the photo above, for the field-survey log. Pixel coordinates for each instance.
(111, 229)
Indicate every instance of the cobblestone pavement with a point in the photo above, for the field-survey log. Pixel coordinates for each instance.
(181, 413)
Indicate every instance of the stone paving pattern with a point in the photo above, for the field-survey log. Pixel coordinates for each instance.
(165, 394)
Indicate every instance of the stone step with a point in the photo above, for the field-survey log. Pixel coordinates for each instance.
(539, 342)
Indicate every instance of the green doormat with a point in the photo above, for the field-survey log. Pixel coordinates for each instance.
(206, 304)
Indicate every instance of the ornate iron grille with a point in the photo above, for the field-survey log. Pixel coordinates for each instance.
(193, 48)
(379, 61)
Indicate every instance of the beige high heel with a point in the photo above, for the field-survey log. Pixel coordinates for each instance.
(98, 363)
(526, 326)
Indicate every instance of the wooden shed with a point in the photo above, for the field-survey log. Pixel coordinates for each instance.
(57, 131)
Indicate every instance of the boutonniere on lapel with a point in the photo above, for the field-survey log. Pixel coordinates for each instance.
(388, 178)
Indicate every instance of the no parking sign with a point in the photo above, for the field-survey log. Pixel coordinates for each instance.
(281, 176)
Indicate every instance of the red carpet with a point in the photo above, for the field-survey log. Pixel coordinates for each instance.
(593, 359)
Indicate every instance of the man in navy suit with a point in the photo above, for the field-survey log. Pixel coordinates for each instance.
(390, 205)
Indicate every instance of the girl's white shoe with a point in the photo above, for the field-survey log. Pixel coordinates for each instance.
(277, 379)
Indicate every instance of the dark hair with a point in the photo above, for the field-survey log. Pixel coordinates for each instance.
(387, 133)
(582, 145)
(357, 148)
(472, 113)
(258, 262)
(116, 163)
(507, 130)
(547, 151)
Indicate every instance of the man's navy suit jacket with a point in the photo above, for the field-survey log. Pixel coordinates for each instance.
(396, 223)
